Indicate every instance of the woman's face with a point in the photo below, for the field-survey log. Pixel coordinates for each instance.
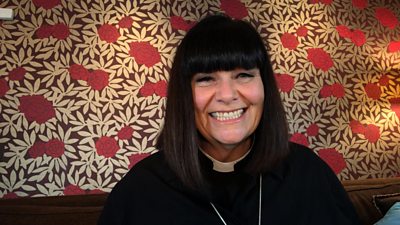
(228, 107)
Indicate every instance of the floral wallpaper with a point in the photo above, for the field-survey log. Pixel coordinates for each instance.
(83, 84)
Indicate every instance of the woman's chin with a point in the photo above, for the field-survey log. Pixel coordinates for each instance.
(232, 142)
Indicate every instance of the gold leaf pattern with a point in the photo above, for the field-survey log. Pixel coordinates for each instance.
(346, 105)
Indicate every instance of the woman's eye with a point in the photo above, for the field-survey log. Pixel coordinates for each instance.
(244, 76)
(204, 81)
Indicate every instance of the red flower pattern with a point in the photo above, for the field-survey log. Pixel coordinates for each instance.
(78, 72)
(285, 82)
(95, 192)
(17, 73)
(289, 41)
(147, 89)
(326, 2)
(326, 91)
(358, 37)
(55, 148)
(125, 133)
(333, 158)
(160, 88)
(36, 108)
(319, 58)
(300, 139)
(47, 31)
(395, 106)
(144, 53)
(125, 22)
(356, 127)
(373, 91)
(179, 23)
(10, 195)
(73, 190)
(44, 31)
(60, 31)
(372, 133)
(302, 31)
(386, 17)
(312, 130)
(98, 79)
(344, 31)
(4, 88)
(360, 4)
(37, 149)
(135, 158)
(394, 46)
(106, 146)
(338, 90)
(384, 80)
(108, 33)
(234, 8)
(46, 4)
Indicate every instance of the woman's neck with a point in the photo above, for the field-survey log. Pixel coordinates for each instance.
(226, 153)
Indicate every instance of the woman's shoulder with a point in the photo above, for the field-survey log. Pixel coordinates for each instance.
(301, 152)
(304, 159)
(149, 170)
(153, 164)
(144, 182)
(150, 162)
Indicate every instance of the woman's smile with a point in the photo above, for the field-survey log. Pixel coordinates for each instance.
(228, 115)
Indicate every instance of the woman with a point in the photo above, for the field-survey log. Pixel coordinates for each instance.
(224, 153)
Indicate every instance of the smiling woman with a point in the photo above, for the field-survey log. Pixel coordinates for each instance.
(219, 59)
(224, 152)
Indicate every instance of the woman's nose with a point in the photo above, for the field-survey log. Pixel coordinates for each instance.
(226, 91)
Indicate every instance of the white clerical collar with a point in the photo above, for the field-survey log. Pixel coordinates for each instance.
(224, 167)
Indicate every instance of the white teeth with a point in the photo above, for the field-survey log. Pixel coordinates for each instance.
(222, 116)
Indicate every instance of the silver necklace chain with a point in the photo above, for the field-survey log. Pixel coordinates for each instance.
(259, 205)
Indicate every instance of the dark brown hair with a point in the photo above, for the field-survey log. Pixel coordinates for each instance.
(219, 43)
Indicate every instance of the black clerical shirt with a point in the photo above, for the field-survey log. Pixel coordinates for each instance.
(303, 190)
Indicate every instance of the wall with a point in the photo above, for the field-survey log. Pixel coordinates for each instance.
(83, 84)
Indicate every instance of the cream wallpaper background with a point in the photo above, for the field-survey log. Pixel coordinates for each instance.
(83, 84)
